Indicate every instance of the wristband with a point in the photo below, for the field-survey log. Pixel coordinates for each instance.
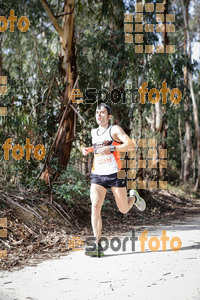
(112, 148)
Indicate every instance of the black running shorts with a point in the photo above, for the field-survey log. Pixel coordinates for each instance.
(108, 181)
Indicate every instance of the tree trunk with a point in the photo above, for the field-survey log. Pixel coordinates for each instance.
(197, 132)
(194, 105)
(65, 136)
(165, 35)
(158, 117)
(161, 125)
(187, 139)
(1, 65)
(182, 150)
(140, 173)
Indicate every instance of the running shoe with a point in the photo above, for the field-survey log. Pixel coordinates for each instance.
(97, 252)
(139, 203)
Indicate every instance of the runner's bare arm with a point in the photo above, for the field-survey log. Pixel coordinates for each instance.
(128, 145)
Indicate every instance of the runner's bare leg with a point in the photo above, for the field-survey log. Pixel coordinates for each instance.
(123, 202)
(97, 196)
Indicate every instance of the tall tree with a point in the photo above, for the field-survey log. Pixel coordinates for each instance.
(65, 136)
(188, 78)
(187, 139)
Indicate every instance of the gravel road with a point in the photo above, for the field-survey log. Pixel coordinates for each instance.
(118, 275)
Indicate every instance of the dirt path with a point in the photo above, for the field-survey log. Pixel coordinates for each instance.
(117, 275)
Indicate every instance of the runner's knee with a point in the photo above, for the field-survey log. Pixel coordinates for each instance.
(96, 207)
(124, 210)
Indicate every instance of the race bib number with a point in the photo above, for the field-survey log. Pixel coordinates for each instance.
(103, 160)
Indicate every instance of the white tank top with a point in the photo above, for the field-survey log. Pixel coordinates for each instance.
(109, 163)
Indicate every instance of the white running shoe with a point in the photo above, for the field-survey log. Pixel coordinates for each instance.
(139, 203)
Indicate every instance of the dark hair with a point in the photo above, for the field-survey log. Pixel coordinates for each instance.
(106, 106)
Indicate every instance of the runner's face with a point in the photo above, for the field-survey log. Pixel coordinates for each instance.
(102, 117)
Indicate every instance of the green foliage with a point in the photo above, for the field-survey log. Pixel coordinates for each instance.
(31, 59)
(33, 183)
(71, 185)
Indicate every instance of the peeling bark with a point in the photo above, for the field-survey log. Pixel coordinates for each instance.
(159, 117)
(65, 135)
(187, 139)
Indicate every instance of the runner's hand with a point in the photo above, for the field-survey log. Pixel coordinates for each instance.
(86, 150)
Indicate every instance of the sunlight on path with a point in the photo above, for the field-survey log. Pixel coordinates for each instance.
(118, 275)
